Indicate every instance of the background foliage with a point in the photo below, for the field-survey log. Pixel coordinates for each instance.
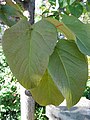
(9, 92)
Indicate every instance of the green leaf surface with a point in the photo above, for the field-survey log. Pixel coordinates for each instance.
(27, 49)
(47, 93)
(15, 6)
(62, 3)
(69, 70)
(9, 14)
(81, 31)
(76, 9)
(71, 1)
(7, 21)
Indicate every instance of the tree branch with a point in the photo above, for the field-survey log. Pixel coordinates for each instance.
(29, 5)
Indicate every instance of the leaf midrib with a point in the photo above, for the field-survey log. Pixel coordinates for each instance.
(63, 67)
(81, 41)
(29, 32)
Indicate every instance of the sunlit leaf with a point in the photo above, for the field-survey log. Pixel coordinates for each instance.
(28, 48)
(71, 1)
(47, 93)
(62, 3)
(69, 70)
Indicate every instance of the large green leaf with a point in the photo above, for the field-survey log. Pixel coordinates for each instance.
(47, 93)
(81, 31)
(28, 48)
(69, 70)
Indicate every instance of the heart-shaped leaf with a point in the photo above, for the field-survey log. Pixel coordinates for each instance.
(47, 93)
(28, 48)
(69, 70)
(81, 31)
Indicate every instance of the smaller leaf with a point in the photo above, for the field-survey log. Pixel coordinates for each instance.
(71, 1)
(62, 3)
(76, 10)
(6, 21)
(8, 14)
(47, 93)
(15, 6)
(81, 32)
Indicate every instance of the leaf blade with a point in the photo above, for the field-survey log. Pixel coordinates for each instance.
(81, 31)
(28, 48)
(69, 71)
